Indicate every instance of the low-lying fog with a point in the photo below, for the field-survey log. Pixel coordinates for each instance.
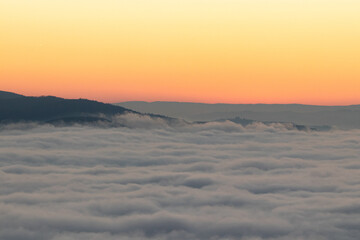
(152, 181)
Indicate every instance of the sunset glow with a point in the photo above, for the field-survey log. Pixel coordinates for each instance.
(231, 51)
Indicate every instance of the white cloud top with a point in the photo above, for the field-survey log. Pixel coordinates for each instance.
(211, 181)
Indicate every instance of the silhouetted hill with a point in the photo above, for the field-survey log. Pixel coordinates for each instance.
(9, 95)
(15, 108)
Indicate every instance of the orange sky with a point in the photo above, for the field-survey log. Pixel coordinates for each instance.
(233, 51)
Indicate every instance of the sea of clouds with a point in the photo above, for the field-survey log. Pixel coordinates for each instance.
(153, 181)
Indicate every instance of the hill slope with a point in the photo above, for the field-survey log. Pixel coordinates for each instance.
(9, 95)
(15, 108)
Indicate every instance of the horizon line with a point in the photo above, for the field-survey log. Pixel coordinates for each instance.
(223, 103)
(169, 101)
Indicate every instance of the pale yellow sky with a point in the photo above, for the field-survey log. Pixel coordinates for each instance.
(243, 51)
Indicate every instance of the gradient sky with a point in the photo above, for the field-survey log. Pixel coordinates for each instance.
(233, 51)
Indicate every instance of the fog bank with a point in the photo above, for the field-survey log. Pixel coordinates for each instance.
(152, 181)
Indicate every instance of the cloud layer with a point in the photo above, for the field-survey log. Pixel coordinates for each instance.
(209, 181)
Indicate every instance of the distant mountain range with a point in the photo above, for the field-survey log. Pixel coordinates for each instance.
(344, 117)
(58, 111)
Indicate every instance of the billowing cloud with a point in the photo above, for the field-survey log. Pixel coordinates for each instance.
(152, 181)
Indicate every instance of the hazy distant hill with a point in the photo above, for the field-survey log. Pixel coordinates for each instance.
(288, 125)
(339, 116)
(14, 108)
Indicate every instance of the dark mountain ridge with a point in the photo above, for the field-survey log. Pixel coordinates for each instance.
(9, 95)
(16, 108)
